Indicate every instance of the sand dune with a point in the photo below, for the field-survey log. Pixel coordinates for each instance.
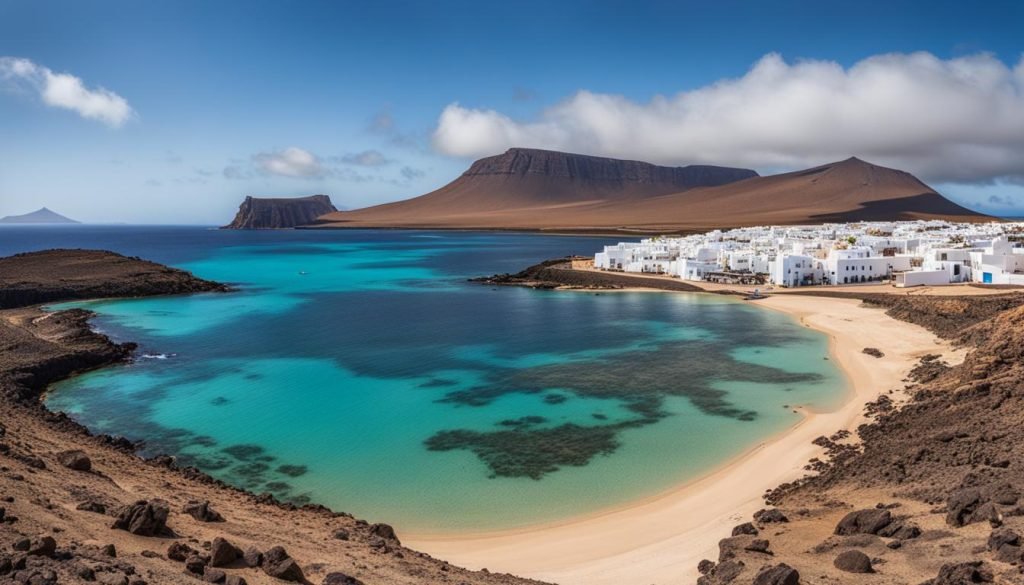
(545, 197)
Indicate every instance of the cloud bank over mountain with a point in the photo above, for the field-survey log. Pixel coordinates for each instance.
(947, 120)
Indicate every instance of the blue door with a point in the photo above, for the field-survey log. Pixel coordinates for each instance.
(986, 277)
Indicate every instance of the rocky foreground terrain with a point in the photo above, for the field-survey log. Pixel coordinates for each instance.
(78, 508)
(929, 492)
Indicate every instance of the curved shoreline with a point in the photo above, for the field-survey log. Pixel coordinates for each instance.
(660, 539)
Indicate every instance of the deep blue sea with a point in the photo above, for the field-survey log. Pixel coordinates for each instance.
(360, 370)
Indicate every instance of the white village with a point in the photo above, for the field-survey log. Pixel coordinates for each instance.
(903, 254)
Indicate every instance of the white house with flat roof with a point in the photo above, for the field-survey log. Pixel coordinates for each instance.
(907, 253)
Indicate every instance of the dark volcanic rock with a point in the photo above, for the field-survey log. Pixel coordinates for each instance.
(780, 574)
(279, 565)
(853, 561)
(203, 512)
(770, 516)
(43, 546)
(223, 553)
(384, 531)
(143, 518)
(869, 521)
(179, 551)
(962, 505)
(278, 213)
(75, 459)
(745, 528)
(212, 575)
(340, 579)
(873, 351)
(195, 564)
(723, 573)
(1002, 536)
(252, 557)
(962, 574)
(758, 545)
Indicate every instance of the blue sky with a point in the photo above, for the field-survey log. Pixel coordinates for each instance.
(376, 101)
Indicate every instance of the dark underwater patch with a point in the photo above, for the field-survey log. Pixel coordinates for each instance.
(523, 422)
(531, 453)
(292, 470)
(641, 380)
(244, 452)
(438, 383)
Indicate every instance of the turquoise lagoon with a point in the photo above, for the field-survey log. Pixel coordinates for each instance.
(361, 371)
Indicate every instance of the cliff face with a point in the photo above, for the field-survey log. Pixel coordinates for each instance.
(262, 213)
(627, 175)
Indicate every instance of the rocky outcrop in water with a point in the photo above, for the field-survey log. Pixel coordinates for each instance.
(279, 213)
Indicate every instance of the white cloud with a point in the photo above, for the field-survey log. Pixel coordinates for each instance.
(291, 162)
(63, 90)
(956, 120)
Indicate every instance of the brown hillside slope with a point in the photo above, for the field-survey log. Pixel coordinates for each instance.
(520, 188)
(844, 191)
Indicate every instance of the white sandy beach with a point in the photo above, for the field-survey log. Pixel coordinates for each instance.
(661, 539)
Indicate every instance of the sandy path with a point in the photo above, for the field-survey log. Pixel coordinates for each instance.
(661, 540)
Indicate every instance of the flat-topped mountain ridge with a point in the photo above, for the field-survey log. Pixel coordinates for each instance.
(527, 181)
(545, 190)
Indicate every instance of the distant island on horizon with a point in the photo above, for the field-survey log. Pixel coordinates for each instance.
(42, 215)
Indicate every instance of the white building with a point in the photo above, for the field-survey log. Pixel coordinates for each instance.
(902, 253)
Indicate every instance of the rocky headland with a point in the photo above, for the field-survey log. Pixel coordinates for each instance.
(261, 213)
(82, 508)
(559, 273)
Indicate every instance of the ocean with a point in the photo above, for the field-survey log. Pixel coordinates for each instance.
(360, 370)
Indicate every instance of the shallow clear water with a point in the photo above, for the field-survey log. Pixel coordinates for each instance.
(360, 370)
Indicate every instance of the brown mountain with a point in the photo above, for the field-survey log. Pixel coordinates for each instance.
(275, 213)
(520, 188)
(541, 190)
